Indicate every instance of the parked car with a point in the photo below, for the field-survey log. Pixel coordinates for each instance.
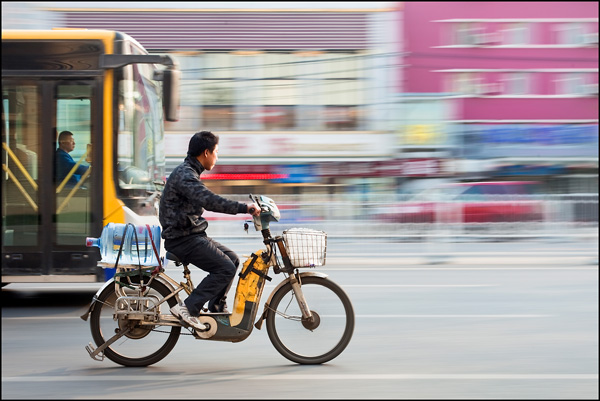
(469, 202)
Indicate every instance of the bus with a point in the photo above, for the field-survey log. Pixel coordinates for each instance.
(104, 88)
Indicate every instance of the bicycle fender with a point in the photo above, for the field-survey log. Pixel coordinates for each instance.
(85, 316)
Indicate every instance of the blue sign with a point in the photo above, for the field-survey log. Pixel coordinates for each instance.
(530, 140)
(296, 173)
(528, 170)
(571, 134)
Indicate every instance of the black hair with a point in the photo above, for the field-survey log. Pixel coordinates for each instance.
(63, 135)
(201, 141)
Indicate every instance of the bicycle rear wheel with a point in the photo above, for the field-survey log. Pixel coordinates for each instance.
(314, 342)
(145, 344)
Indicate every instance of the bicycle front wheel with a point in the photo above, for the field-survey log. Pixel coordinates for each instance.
(320, 340)
(144, 344)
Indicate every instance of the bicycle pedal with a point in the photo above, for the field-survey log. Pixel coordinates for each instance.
(90, 349)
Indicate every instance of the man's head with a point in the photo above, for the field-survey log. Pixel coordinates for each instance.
(66, 141)
(204, 146)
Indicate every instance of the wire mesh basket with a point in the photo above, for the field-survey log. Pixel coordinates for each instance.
(306, 247)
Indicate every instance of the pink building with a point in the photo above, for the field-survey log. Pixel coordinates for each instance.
(518, 80)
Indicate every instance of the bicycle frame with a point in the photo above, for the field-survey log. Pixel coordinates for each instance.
(234, 327)
(139, 305)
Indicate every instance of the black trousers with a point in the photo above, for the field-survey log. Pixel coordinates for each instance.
(220, 262)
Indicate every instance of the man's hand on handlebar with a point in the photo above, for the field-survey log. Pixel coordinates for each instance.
(253, 209)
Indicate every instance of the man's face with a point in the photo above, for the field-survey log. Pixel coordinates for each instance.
(68, 144)
(211, 158)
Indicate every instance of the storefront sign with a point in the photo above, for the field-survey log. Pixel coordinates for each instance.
(244, 172)
(296, 173)
(423, 134)
(530, 170)
(388, 168)
(529, 140)
(271, 144)
(539, 134)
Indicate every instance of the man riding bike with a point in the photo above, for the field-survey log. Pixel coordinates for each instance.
(184, 199)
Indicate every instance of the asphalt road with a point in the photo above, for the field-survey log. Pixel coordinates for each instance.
(479, 324)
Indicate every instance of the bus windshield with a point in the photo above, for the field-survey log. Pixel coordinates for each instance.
(140, 163)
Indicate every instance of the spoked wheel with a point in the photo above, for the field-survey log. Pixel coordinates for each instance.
(316, 341)
(143, 345)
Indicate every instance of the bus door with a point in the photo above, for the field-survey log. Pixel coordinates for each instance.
(51, 188)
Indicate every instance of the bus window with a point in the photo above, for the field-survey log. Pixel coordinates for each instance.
(20, 148)
(73, 173)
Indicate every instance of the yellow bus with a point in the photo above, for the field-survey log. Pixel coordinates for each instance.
(113, 97)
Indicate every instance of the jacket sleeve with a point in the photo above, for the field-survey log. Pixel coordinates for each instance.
(197, 193)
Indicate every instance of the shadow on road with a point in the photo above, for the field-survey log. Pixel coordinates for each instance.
(45, 298)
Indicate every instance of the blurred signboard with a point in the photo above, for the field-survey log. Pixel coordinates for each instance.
(310, 173)
(422, 167)
(533, 140)
(325, 144)
(424, 135)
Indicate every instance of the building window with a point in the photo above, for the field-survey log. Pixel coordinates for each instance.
(211, 92)
(516, 34)
(341, 117)
(189, 119)
(277, 117)
(217, 118)
(571, 33)
(571, 84)
(466, 33)
(465, 83)
(517, 83)
(272, 90)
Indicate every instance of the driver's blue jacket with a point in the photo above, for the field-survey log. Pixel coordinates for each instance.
(184, 199)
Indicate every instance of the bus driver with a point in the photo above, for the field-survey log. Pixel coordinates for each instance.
(64, 161)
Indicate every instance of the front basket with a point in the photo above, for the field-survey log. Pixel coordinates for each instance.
(306, 247)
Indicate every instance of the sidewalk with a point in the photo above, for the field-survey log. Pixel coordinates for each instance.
(469, 254)
(539, 253)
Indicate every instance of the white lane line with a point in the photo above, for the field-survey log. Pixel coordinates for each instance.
(449, 316)
(453, 268)
(357, 316)
(40, 317)
(416, 285)
(292, 376)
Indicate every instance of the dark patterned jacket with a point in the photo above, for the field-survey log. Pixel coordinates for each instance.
(184, 199)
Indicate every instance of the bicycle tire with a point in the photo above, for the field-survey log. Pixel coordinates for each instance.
(330, 303)
(116, 352)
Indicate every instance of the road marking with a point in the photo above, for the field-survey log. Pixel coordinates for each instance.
(357, 316)
(292, 376)
(447, 267)
(415, 285)
(450, 316)
(543, 252)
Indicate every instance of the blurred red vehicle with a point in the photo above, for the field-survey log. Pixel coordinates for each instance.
(469, 202)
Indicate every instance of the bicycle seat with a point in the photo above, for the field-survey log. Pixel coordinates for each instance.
(174, 258)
